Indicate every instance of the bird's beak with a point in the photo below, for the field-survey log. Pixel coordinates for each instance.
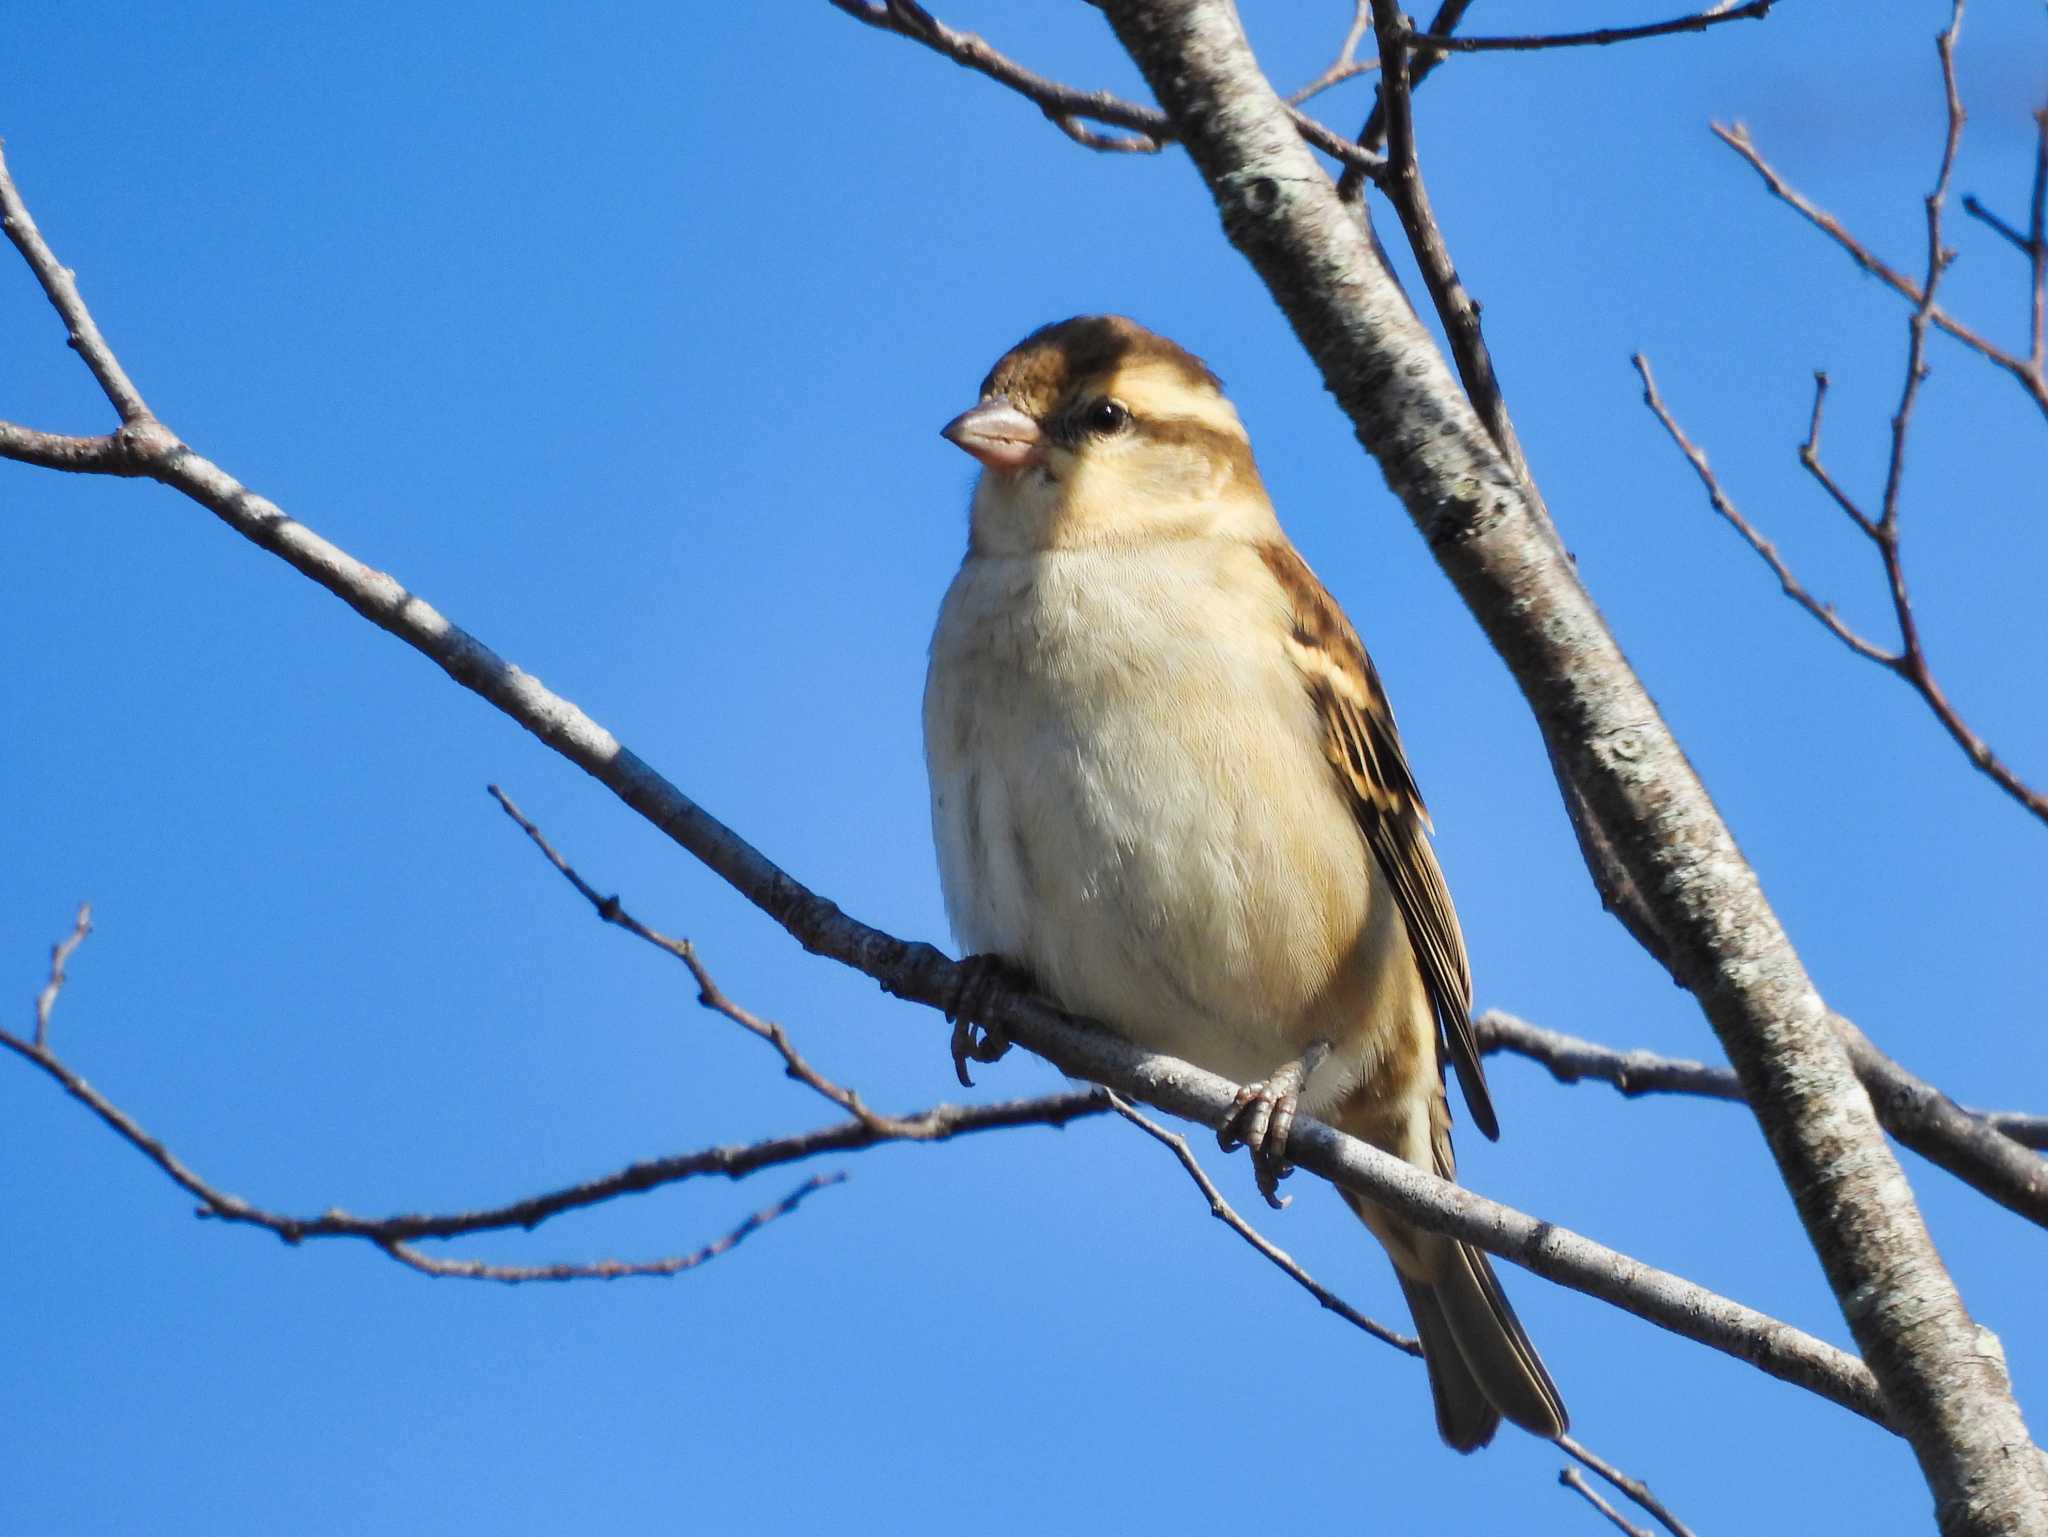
(998, 434)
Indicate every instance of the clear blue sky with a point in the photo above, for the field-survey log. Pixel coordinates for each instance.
(623, 335)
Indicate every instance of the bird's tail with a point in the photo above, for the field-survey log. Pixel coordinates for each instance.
(1482, 1367)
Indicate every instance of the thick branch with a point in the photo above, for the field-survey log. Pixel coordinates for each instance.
(1952, 1398)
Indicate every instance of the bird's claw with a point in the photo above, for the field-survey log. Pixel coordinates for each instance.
(974, 1039)
(1262, 1120)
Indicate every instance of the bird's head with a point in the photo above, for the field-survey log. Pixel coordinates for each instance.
(1094, 430)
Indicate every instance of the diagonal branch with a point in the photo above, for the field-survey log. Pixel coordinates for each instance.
(1228, 1215)
(2030, 372)
(1069, 108)
(1635, 1489)
(1574, 1480)
(1950, 1396)
(1909, 662)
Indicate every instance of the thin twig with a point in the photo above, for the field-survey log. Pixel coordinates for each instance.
(609, 1269)
(2033, 244)
(1372, 136)
(1068, 108)
(1910, 661)
(60, 284)
(938, 1124)
(1224, 1212)
(2030, 372)
(1572, 1478)
(1347, 65)
(60, 953)
(1634, 1488)
(1793, 588)
(1598, 37)
(1809, 458)
(713, 997)
(1403, 185)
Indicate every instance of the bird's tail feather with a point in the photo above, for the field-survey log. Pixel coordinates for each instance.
(1482, 1367)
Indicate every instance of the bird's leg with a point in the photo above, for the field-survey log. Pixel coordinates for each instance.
(1264, 1116)
(974, 1039)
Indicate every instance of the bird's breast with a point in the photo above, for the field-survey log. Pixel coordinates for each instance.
(1130, 796)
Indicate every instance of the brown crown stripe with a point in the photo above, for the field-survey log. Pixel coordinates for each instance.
(1039, 372)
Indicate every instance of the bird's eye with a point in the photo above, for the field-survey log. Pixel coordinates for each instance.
(1105, 416)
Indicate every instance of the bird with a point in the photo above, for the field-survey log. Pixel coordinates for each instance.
(1167, 794)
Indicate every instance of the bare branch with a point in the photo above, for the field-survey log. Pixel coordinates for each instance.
(1793, 588)
(938, 1124)
(1064, 105)
(2033, 244)
(60, 285)
(2030, 372)
(607, 1269)
(1809, 457)
(60, 952)
(1070, 109)
(1227, 1214)
(1948, 1394)
(1987, 1150)
(1347, 65)
(1402, 183)
(1573, 1479)
(714, 998)
(1428, 42)
(1910, 662)
(1634, 1488)
(1571, 1059)
(1373, 134)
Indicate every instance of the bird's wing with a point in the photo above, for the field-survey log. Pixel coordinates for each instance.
(1362, 744)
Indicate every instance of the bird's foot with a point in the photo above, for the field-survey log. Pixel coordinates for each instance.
(974, 1039)
(1263, 1119)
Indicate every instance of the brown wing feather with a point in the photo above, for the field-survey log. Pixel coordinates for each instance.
(1363, 745)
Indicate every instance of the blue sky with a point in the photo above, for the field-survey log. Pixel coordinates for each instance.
(623, 336)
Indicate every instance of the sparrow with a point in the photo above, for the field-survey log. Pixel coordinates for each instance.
(1167, 794)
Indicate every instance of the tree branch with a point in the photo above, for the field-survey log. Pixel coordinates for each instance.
(1909, 662)
(1987, 1150)
(1574, 1480)
(939, 1124)
(608, 1269)
(1598, 37)
(2031, 372)
(60, 953)
(1068, 108)
(1227, 1214)
(1635, 1489)
(1950, 1395)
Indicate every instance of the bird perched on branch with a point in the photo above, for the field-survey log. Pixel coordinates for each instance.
(1167, 790)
